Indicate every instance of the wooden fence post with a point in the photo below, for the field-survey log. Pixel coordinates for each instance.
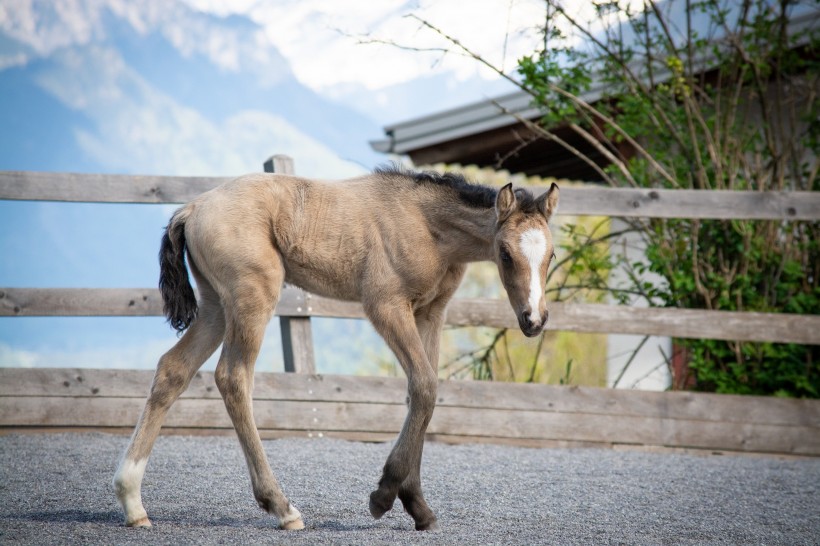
(297, 334)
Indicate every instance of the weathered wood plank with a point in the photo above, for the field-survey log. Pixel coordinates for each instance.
(103, 188)
(719, 204)
(67, 382)
(355, 436)
(687, 323)
(133, 302)
(626, 429)
(297, 345)
(613, 319)
(264, 433)
(297, 303)
(610, 319)
(271, 434)
(627, 202)
(616, 319)
(381, 418)
(80, 302)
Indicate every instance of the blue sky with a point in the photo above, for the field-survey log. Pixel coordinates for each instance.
(199, 87)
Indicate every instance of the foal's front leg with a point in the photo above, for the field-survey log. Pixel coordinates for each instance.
(428, 324)
(397, 326)
(429, 321)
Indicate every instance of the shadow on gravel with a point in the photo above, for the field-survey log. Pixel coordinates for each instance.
(261, 522)
(75, 516)
(330, 525)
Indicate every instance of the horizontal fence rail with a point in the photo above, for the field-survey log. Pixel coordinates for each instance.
(596, 201)
(373, 409)
(576, 317)
(103, 188)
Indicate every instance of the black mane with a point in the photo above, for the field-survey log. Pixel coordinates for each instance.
(474, 195)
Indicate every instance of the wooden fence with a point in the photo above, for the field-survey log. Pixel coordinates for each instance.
(304, 403)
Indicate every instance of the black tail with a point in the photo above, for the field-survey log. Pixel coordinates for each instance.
(180, 305)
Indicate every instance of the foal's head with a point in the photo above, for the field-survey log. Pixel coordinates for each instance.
(523, 250)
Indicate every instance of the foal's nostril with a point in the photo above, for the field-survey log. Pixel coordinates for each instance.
(529, 327)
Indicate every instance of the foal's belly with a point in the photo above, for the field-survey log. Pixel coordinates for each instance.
(327, 283)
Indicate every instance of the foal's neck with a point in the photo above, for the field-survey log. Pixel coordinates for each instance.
(468, 232)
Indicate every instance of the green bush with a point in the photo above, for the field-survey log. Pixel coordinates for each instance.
(723, 99)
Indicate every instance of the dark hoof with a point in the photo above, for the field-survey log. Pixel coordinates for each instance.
(379, 504)
(428, 526)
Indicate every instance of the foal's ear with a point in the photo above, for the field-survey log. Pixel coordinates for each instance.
(548, 202)
(505, 203)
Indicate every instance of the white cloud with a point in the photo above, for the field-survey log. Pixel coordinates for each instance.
(229, 46)
(12, 59)
(321, 38)
(41, 28)
(316, 40)
(138, 129)
(18, 358)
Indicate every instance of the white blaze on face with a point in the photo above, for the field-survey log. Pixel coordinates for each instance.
(534, 248)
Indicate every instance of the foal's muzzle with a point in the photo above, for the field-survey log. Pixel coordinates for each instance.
(530, 328)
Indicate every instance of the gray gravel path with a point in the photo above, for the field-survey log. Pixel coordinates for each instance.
(54, 489)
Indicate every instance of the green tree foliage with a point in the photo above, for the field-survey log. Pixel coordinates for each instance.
(707, 95)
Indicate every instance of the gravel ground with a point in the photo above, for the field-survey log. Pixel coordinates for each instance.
(54, 489)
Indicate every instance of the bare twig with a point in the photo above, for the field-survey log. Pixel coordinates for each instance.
(549, 135)
(575, 99)
(629, 362)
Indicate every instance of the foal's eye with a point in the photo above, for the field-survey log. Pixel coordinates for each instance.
(506, 259)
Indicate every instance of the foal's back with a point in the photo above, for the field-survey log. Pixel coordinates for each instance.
(334, 237)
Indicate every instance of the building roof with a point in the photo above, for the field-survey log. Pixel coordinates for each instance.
(488, 133)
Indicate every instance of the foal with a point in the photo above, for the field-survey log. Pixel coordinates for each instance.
(396, 240)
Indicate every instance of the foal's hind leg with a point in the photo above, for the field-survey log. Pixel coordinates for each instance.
(174, 372)
(253, 300)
